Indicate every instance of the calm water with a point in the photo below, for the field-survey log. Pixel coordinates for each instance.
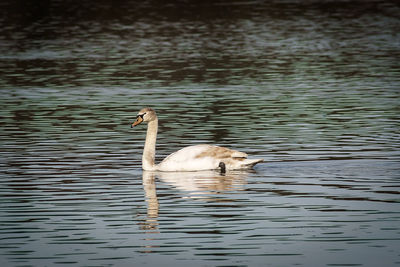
(313, 88)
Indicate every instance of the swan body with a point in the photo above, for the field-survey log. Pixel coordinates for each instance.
(191, 158)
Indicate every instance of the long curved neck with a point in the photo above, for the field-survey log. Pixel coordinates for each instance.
(149, 151)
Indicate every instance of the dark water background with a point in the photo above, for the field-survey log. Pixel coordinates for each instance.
(313, 87)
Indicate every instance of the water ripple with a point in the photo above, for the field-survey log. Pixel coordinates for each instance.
(310, 87)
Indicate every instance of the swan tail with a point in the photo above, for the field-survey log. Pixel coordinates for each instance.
(247, 163)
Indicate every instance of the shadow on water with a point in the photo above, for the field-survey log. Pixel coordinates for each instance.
(153, 43)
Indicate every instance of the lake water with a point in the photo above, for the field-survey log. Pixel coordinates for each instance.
(311, 87)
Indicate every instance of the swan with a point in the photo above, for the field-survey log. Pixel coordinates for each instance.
(191, 158)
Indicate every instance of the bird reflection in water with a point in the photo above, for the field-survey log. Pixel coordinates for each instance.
(149, 186)
(199, 185)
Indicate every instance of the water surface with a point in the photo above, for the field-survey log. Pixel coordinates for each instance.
(312, 88)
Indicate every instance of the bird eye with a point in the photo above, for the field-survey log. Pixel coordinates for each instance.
(141, 115)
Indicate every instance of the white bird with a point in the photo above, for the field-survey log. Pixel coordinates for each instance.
(191, 158)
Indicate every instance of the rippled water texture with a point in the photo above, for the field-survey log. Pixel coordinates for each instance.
(312, 87)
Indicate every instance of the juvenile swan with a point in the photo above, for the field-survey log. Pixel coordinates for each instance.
(191, 158)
